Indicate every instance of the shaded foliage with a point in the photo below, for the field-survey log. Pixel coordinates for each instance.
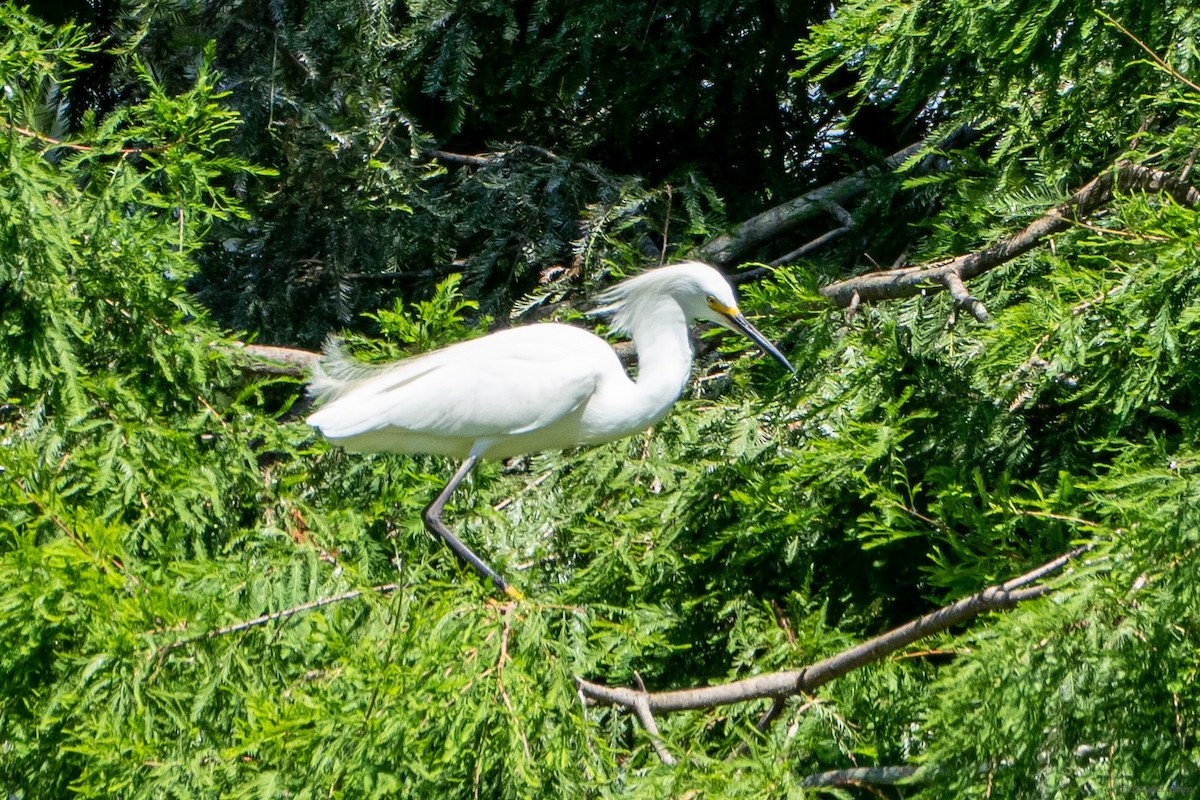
(616, 129)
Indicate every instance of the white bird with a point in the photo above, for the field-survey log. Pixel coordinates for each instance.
(539, 387)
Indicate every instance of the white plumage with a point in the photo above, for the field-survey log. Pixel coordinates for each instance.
(527, 389)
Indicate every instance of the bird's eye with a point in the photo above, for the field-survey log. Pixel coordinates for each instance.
(712, 301)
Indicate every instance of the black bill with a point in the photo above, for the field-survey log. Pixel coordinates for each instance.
(740, 323)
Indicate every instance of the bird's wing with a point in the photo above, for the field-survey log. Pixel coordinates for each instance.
(506, 384)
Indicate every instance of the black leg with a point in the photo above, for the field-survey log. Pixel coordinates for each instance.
(433, 521)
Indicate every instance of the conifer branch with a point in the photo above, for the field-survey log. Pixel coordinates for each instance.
(1001, 597)
(894, 284)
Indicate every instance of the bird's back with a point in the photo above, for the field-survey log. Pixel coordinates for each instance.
(515, 391)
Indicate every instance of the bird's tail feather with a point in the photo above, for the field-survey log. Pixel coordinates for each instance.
(337, 371)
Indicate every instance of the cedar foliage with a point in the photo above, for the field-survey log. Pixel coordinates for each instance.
(199, 598)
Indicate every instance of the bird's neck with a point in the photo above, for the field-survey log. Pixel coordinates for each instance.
(664, 355)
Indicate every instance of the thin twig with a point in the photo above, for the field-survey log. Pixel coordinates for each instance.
(59, 143)
(1059, 517)
(70, 534)
(533, 484)
(505, 613)
(278, 615)
(666, 235)
(1149, 237)
(1157, 58)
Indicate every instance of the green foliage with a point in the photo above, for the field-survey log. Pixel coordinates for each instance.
(198, 598)
(434, 322)
(1055, 90)
(1019, 67)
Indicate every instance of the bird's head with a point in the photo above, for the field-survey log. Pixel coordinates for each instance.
(701, 292)
(706, 294)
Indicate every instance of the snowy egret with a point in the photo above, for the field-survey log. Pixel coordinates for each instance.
(522, 390)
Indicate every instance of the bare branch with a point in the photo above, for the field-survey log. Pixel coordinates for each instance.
(898, 283)
(1001, 597)
(401, 275)
(271, 360)
(457, 158)
(786, 217)
(642, 709)
(860, 776)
